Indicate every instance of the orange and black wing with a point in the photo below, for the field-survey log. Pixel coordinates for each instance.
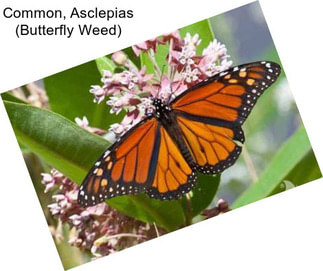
(230, 95)
(127, 167)
(212, 147)
(144, 160)
(211, 113)
(173, 177)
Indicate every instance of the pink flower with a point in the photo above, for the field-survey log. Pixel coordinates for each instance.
(146, 46)
(167, 90)
(184, 54)
(174, 38)
(60, 206)
(214, 59)
(98, 92)
(52, 179)
(84, 123)
(178, 88)
(191, 74)
(142, 79)
(117, 103)
(130, 119)
(146, 106)
(119, 129)
(215, 51)
(164, 91)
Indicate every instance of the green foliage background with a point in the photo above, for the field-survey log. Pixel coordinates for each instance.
(50, 138)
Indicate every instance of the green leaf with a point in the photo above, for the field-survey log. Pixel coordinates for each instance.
(55, 139)
(105, 63)
(72, 150)
(305, 171)
(284, 162)
(7, 96)
(204, 192)
(160, 56)
(69, 95)
(167, 214)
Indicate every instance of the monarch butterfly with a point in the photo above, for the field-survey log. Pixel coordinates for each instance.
(197, 131)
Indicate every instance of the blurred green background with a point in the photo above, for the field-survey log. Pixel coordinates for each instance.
(275, 117)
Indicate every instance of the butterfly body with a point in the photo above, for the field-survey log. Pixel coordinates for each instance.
(166, 117)
(199, 130)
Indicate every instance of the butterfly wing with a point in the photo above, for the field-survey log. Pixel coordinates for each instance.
(174, 177)
(211, 113)
(127, 167)
(144, 160)
(230, 95)
(212, 147)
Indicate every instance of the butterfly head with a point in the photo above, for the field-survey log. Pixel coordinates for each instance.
(161, 109)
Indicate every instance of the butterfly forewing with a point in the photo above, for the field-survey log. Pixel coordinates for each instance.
(127, 167)
(229, 96)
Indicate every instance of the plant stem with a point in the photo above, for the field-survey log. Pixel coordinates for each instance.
(188, 213)
(125, 235)
(250, 165)
(156, 229)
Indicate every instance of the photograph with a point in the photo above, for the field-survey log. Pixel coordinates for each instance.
(183, 127)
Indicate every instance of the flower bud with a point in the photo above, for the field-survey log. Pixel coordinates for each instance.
(119, 58)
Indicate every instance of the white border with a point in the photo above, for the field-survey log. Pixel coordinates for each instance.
(283, 232)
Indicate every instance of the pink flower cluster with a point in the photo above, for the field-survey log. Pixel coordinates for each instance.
(133, 90)
(99, 229)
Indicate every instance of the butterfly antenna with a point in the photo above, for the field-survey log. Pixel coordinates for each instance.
(172, 95)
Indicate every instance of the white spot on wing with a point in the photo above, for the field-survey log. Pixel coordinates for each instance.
(106, 154)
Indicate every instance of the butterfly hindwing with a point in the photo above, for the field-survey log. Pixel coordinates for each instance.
(174, 177)
(127, 167)
(212, 147)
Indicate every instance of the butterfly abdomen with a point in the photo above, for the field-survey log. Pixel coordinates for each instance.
(167, 118)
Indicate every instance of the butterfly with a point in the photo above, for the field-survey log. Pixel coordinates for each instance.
(199, 131)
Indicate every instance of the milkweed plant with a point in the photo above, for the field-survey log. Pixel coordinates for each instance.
(133, 90)
(101, 229)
